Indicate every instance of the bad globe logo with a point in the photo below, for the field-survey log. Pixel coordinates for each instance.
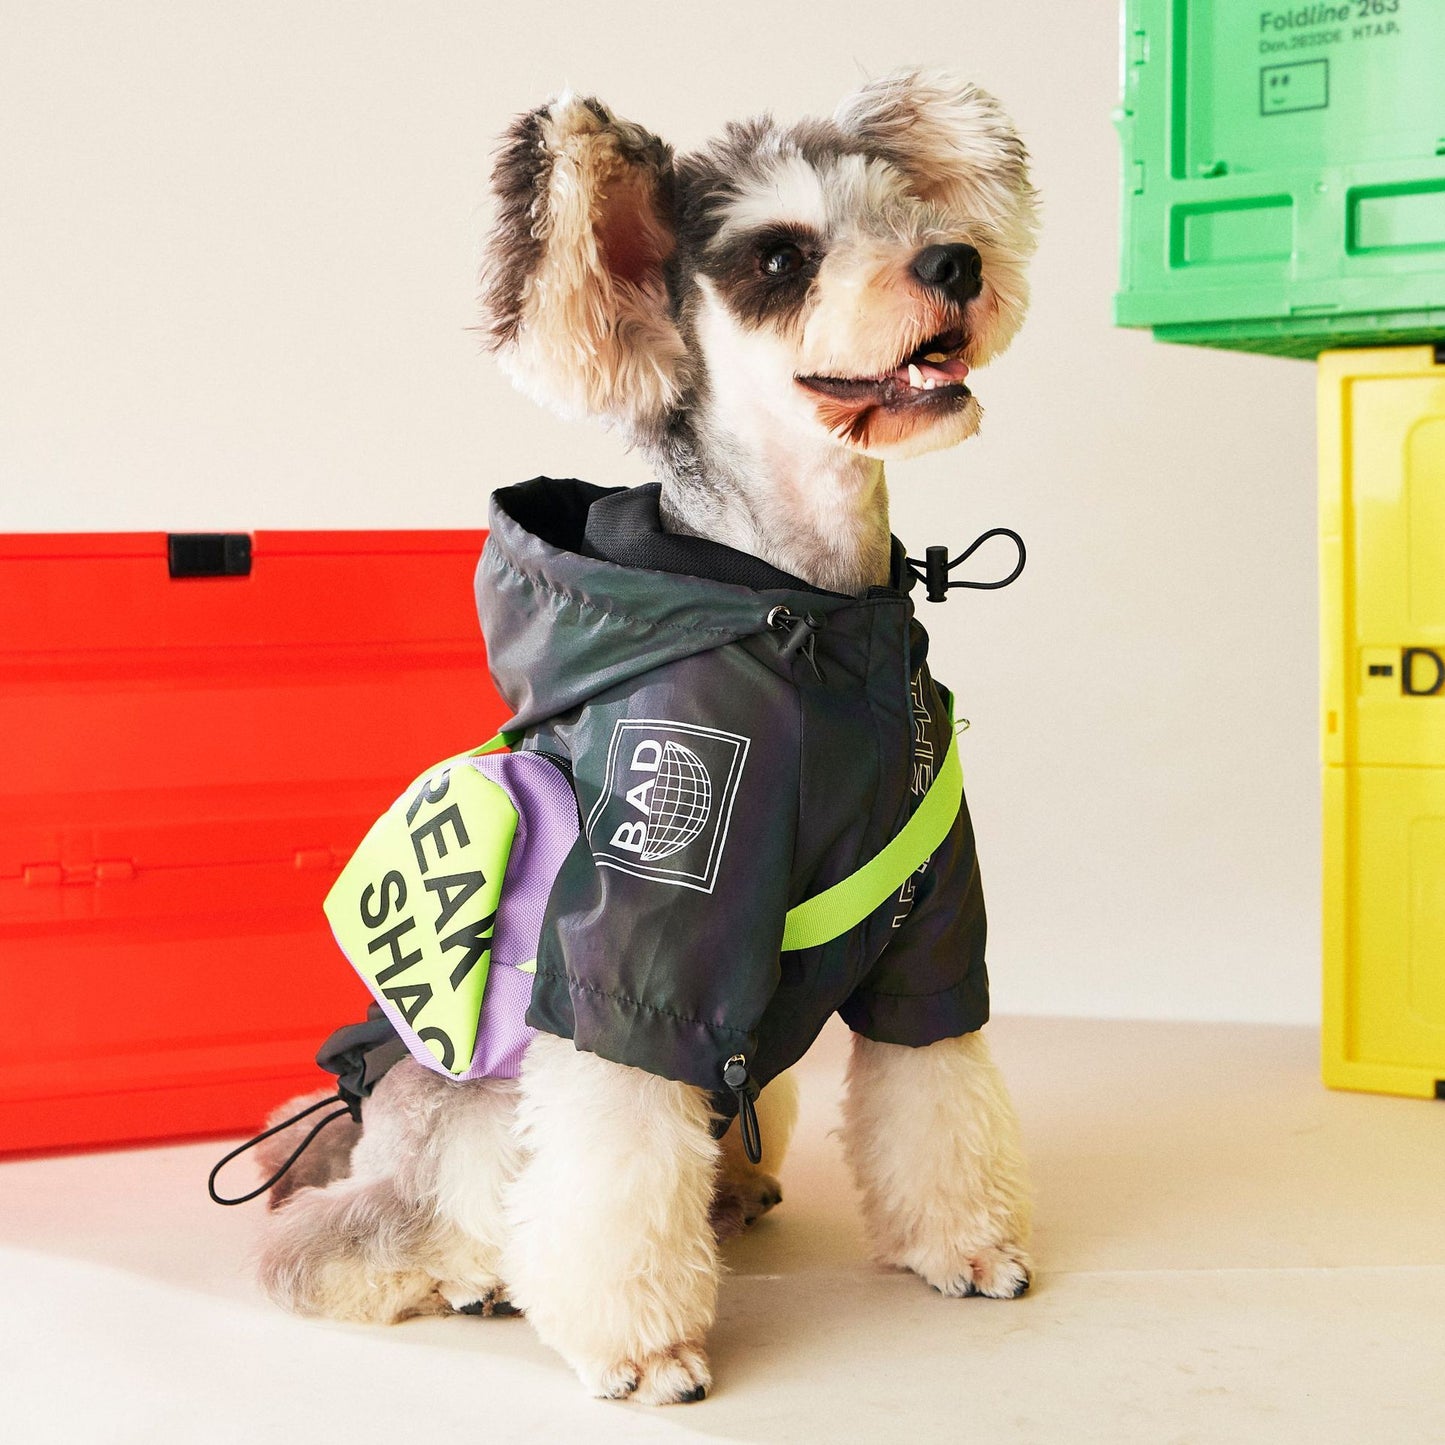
(668, 800)
(675, 802)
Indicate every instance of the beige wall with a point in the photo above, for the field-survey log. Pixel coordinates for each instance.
(237, 254)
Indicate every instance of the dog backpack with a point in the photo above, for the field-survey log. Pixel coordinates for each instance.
(419, 910)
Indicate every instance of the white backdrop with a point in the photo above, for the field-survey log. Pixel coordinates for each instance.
(237, 268)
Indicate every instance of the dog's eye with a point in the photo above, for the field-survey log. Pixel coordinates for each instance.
(784, 259)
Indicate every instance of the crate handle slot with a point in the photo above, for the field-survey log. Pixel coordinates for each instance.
(209, 554)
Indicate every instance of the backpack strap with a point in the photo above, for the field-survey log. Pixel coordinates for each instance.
(831, 913)
(493, 744)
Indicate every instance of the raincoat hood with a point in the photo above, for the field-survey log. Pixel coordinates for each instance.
(579, 590)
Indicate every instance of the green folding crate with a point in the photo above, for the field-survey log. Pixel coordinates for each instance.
(1284, 173)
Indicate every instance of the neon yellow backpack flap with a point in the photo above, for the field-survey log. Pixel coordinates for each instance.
(427, 910)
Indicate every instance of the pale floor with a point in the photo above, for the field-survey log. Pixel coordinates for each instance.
(1228, 1252)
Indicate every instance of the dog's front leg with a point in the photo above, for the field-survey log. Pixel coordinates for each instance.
(932, 1141)
(612, 1255)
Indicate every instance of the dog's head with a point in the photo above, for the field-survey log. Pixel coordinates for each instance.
(836, 280)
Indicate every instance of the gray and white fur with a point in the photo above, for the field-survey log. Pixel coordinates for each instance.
(768, 319)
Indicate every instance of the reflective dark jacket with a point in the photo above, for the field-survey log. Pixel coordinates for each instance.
(738, 741)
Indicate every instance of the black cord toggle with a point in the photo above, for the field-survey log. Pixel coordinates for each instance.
(934, 569)
(801, 635)
(737, 1078)
(346, 1108)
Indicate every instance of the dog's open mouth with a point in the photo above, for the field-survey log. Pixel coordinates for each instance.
(933, 373)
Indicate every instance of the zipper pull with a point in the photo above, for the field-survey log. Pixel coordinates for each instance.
(737, 1078)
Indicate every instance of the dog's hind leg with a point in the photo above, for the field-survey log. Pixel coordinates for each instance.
(327, 1157)
(611, 1254)
(349, 1252)
(932, 1140)
(746, 1191)
(416, 1228)
(475, 1156)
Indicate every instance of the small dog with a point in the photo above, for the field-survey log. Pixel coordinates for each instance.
(767, 319)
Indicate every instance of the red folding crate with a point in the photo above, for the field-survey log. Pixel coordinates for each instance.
(195, 733)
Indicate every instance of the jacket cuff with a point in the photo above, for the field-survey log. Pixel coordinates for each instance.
(918, 1019)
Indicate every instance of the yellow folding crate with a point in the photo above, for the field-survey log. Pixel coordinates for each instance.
(1382, 585)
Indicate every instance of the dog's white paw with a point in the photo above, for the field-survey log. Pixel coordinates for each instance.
(675, 1376)
(741, 1200)
(998, 1272)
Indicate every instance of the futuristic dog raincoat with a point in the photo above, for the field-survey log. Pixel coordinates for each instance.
(738, 741)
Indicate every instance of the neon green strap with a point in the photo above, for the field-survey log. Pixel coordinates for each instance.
(835, 910)
(831, 913)
(493, 744)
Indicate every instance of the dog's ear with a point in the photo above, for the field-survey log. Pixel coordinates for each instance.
(573, 295)
(954, 142)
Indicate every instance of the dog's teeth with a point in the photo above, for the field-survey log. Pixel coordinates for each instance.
(915, 377)
(929, 384)
(936, 356)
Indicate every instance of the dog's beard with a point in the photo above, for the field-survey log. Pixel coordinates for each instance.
(929, 422)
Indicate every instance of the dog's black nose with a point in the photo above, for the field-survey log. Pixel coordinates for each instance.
(956, 270)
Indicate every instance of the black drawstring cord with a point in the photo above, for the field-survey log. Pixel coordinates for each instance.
(748, 1126)
(296, 1153)
(934, 569)
(736, 1077)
